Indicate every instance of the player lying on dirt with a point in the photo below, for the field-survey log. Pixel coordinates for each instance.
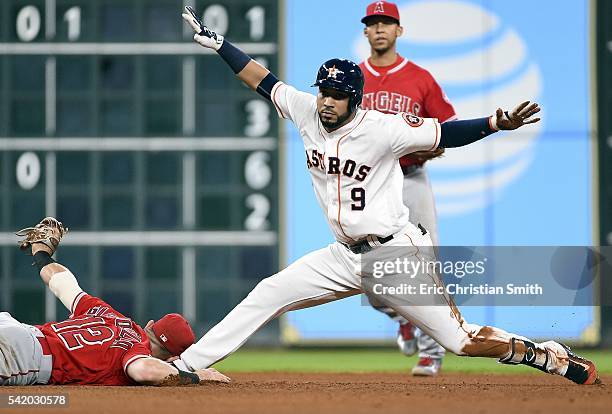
(352, 157)
(97, 344)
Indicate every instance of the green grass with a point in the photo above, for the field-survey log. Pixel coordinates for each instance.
(371, 360)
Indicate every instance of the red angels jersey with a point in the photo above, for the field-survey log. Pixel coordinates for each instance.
(354, 169)
(404, 87)
(95, 345)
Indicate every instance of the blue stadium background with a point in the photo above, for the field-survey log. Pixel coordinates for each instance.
(549, 203)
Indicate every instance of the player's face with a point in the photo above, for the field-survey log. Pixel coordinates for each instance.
(156, 350)
(382, 31)
(333, 108)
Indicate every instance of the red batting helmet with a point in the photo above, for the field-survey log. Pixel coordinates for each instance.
(174, 332)
(381, 8)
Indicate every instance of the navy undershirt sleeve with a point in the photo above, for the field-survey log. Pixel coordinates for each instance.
(464, 132)
(237, 60)
(233, 56)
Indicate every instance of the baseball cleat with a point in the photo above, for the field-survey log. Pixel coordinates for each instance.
(406, 339)
(427, 367)
(580, 370)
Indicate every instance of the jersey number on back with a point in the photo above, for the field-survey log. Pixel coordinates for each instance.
(79, 332)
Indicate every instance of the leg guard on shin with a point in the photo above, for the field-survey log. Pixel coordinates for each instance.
(526, 353)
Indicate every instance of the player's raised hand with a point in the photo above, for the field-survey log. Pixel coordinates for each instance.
(203, 35)
(519, 116)
(211, 374)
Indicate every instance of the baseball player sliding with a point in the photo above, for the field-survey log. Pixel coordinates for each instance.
(394, 84)
(352, 156)
(97, 344)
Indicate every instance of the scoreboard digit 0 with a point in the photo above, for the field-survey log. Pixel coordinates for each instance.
(164, 166)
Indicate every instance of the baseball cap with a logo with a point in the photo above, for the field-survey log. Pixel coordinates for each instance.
(381, 8)
(174, 332)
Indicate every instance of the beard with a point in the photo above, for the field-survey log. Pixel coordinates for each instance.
(338, 123)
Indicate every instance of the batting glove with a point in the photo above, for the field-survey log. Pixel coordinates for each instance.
(203, 35)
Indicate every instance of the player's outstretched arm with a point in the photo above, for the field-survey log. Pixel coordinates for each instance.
(248, 70)
(460, 133)
(57, 277)
(153, 371)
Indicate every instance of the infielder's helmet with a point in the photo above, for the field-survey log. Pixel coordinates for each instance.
(342, 75)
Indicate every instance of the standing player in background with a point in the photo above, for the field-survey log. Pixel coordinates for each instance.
(97, 344)
(393, 84)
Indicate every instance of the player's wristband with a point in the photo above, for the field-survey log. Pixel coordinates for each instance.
(265, 86)
(42, 259)
(188, 378)
(233, 56)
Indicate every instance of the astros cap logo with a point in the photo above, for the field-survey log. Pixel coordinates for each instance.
(379, 7)
(333, 71)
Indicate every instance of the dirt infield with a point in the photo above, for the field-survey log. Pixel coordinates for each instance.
(342, 393)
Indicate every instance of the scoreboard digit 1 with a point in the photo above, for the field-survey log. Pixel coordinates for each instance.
(164, 166)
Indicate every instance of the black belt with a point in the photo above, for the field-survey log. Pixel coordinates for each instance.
(363, 246)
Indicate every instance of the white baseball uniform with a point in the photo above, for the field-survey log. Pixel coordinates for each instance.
(358, 183)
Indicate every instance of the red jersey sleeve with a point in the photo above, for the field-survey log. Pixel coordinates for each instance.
(87, 304)
(137, 352)
(437, 104)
